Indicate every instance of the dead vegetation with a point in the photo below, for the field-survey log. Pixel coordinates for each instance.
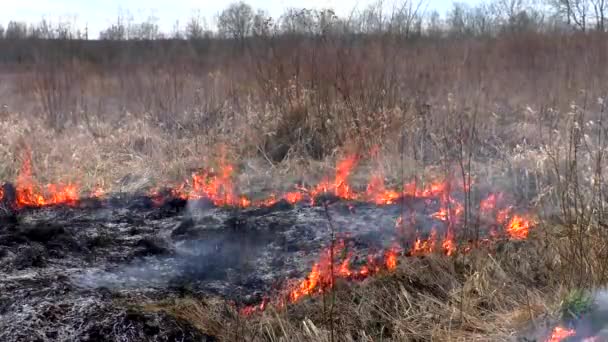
(525, 111)
(486, 295)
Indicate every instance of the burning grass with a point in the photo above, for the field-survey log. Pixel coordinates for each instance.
(484, 295)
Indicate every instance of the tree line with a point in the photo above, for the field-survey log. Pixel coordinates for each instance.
(408, 18)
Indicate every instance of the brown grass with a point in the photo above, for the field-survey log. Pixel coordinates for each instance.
(487, 295)
(517, 112)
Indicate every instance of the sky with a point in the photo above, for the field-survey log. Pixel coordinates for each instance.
(99, 14)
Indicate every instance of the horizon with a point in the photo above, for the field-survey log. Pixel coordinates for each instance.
(96, 17)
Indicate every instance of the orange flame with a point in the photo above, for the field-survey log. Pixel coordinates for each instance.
(376, 191)
(391, 259)
(560, 334)
(518, 228)
(343, 170)
(425, 246)
(28, 194)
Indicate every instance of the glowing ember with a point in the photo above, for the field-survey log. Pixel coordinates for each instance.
(560, 334)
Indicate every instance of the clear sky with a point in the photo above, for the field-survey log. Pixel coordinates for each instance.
(99, 14)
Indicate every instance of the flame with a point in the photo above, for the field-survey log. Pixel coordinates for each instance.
(324, 272)
(490, 202)
(391, 259)
(343, 170)
(449, 245)
(376, 191)
(518, 228)
(560, 334)
(425, 246)
(218, 187)
(28, 192)
(293, 197)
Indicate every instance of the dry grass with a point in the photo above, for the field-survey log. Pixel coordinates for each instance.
(486, 295)
(520, 113)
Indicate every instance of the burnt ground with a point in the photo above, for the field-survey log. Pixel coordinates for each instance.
(75, 273)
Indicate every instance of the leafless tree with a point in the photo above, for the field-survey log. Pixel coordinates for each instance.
(196, 28)
(406, 18)
(236, 21)
(16, 30)
(434, 26)
(298, 21)
(116, 31)
(176, 32)
(373, 18)
(459, 19)
(600, 7)
(147, 30)
(262, 24)
(575, 12)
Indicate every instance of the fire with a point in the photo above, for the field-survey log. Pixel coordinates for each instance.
(324, 272)
(560, 334)
(217, 185)
(376, 191)
(391, 259)
(28, 192)
(489, 203)
(518, 228)
(293, 197)
(449, 245)
(425, 246)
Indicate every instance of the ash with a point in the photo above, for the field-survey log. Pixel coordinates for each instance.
(73, 273)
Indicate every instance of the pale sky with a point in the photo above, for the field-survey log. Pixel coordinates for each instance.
(99, 14)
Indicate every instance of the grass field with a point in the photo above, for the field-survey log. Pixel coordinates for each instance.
(519, 112)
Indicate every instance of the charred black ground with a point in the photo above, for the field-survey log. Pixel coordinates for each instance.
(73, 272)
(70, 272)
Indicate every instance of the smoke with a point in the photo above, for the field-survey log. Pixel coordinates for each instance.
(591, 325)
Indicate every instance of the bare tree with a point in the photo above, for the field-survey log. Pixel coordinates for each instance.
(16, 30)
(434, 24)
(459, 19)
(516, 15)
(176, 32)
(262, 24)
(117, 31)
(373, 19)
(575, 12)
(196, 28)
(236, 21)
(600, 7)
(406, 18)
(1, 31)
(298, 21)
(147, 30)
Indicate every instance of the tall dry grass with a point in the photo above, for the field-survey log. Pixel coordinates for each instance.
(523, 112)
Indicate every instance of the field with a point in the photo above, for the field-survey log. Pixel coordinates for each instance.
(519, 115)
